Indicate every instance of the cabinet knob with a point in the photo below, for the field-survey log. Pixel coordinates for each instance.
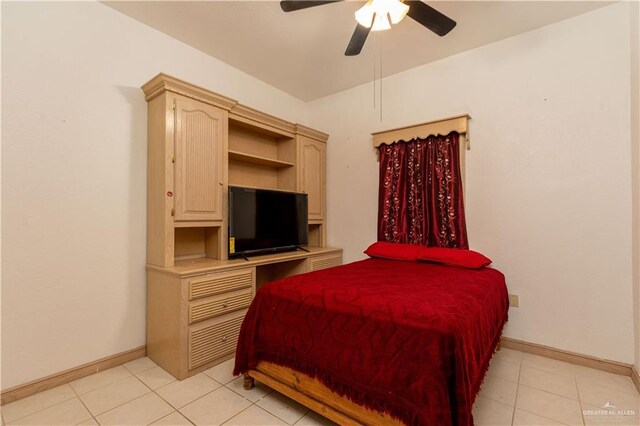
(224, 338)
(220, 183)
(225, 305)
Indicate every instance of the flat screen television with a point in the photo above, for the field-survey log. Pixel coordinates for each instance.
(262, 221)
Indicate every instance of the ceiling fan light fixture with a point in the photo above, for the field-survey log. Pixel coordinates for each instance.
(382, 13)
(380, 23)
(378, 15)
(364, 15)
(397, 10)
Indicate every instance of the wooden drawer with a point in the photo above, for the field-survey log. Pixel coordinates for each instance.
(218, 305)
(221, 282)
(212, 341)
(324, 262)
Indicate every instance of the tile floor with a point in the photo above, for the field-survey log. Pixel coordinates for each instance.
(520, 389)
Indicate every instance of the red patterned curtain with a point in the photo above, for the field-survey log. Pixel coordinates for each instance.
(420, 200)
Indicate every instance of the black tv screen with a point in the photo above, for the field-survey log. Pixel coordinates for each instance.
(261, 221)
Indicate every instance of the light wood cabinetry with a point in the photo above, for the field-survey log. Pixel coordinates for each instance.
(312, 176)
(199, 143)
(329, 260)
(201, 130)
(184, 332)
(196, 307)
(186, 171)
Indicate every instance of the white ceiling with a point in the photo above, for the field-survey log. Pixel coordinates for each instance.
(302, 53)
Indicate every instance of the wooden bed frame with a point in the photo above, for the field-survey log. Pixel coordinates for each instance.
(316, 396)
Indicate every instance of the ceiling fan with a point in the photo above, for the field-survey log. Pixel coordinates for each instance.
(377, 15)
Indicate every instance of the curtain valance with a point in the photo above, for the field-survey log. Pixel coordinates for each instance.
(458, 123)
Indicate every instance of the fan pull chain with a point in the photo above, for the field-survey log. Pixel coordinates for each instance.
(375, 51)
(381, 79)
(377, 70)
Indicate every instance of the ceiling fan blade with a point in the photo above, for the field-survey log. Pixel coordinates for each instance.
(357, 40)
(429, 17)
(293, 5)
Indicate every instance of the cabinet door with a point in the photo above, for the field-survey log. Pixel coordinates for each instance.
(313, 176)
(200, 130)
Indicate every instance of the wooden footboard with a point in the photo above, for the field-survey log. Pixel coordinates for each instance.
(314, 395)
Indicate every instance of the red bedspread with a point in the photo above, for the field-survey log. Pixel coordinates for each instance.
(408, 338)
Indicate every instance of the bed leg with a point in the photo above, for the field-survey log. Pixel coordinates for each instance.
(499, 345)
(248, 383)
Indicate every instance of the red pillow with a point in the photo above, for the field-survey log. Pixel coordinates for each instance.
(464, 258)
(407, 252)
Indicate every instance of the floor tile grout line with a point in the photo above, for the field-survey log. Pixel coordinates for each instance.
(274, 414)
(550, 393)
(159, 418)
(241, 411)
(95, 416)
(549, 372)
(256, 404)
(198, 398)
(103, 386)
(238, 393)
(178, 409)
(515, 400)
(491, 374)
(507, 360)
(131, 400)
(84, 405)
(45, 408)
(544, 417)
(610, 387)
(259, 399)
(146, 369)
(174, 411)
(120, 405)
(575, 379)
(495, 400)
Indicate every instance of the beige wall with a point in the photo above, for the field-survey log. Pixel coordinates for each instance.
(548, 176)
(74, 173)
(634, 45)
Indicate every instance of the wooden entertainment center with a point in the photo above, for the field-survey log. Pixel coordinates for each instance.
(199, 143)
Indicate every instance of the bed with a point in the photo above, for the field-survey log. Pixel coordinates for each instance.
(377, 341)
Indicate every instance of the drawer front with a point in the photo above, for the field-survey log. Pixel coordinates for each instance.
(218, 305)
(213, 341)
(212, 284)
(324, 262)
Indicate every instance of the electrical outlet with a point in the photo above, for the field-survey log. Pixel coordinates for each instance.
(514, 302)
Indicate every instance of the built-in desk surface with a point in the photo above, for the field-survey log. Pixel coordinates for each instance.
(205, 265)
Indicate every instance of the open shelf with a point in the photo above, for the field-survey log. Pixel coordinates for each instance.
(255, 159)
(276, 271)
(316, 235)
(198, 242)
